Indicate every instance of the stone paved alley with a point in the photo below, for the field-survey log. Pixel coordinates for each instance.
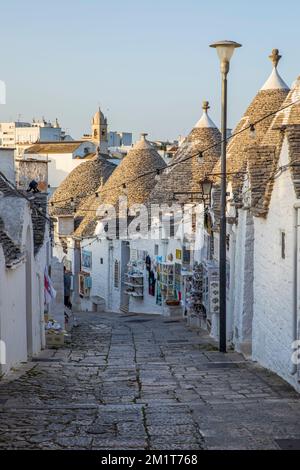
(144, 382)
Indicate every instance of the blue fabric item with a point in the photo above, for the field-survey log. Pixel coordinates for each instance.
(88, 282)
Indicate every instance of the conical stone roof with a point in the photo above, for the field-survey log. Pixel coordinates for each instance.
(263, 159)
(142, 158)
(83, 181)
(184, 173)
(268, 100)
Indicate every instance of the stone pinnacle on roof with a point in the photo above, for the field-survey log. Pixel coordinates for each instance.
(275, 57)
(205, 120)
(275, 81)
(143, 143)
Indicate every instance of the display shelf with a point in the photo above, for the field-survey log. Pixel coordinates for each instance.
(134, 280)
(134, 294)
(166, 278)
(132, 284)
(137, 276)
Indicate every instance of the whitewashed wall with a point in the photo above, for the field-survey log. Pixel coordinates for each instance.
(13, 291)
(59, 166)
(103, 274)
(37, 285)
(12, 314)
(241, 265)
(273, 281)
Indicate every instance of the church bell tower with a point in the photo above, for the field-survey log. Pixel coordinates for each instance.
(99, 131)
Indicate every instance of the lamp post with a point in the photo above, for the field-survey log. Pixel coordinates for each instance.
(225, 50)
(206, 187)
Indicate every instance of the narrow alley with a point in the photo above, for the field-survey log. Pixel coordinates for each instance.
(144, 382)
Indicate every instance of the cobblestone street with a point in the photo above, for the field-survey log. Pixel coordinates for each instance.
(144, 382)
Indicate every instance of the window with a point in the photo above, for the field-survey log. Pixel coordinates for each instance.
(283, 245)
(116, 275)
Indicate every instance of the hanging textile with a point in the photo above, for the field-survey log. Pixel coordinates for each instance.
(148, 263)
(49, 291)
(152, 282)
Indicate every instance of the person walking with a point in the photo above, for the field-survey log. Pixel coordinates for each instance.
(67, 288)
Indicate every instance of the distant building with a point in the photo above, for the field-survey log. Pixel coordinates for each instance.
(119, 139)
(166, 149)
(23, 134)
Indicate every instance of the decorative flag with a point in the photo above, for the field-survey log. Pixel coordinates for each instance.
(50, 292)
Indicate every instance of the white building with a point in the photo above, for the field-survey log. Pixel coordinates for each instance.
(262, 234)
(272, 205)
(119, 139)
(240, 240)
(20, 135)
(24, 256)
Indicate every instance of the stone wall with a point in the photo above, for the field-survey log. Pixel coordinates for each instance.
(29, 170)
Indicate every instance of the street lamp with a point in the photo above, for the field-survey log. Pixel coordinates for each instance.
(225, 50)
(206, 187)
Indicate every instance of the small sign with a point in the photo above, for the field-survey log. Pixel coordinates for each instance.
(178, 254)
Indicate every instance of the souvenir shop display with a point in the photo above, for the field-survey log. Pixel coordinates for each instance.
(152, 282)
(194, 291)
(211, 288)
(165, 279)
(135, 278)
(178, 281)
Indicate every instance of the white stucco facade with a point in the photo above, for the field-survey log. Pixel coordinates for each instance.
(12, 321)
(274, 292)
(22, 286)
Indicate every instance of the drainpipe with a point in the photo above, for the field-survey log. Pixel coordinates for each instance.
(294, 368)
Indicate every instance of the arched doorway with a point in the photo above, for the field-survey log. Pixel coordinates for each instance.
(29, 292)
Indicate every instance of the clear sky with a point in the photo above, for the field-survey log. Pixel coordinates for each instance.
(146, 62)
